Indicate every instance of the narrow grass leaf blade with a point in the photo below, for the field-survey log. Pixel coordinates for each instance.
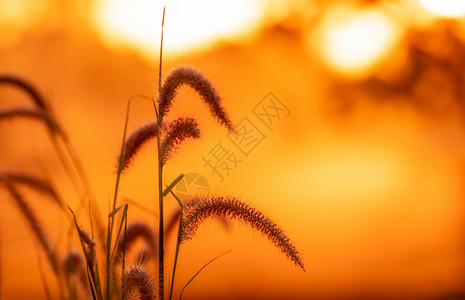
(171, 186)
(123, 219)
(123, 267)
(111, 215)
(91, 285)
(94, 283)
(177, 199)
(178, 244)
(198, 272)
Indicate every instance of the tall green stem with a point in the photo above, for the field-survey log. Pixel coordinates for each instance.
(161, 248)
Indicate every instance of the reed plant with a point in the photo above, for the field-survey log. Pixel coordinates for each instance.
(77, 272)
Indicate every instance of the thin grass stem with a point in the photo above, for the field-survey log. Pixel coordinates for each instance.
(198, 272)
(178, 242)
(161, 247)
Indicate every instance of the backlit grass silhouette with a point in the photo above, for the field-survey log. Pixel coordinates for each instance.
(78, 274)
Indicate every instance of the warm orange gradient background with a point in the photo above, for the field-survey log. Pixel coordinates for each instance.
(365, 175)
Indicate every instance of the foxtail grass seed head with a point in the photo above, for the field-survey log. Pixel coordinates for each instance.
(193, 78)
(137, 230)
(32, 113)
(25, 86)
(137, 282)
(198, 210)
(135, 141)
(145, 255)
(32, 181)
(34, 224)
(175, 132)
(90, 246)
(73, 264)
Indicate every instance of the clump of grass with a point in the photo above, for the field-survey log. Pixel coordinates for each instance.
(41, 111)
(9, 182)
(170, 135)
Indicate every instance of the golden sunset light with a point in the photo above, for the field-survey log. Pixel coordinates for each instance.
(189, 24)
(446, 8)
(278, 149)
(352, 41)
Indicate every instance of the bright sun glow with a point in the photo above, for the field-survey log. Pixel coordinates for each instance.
(353, 41)
(16, 16)
(188, 24)
(446, 8)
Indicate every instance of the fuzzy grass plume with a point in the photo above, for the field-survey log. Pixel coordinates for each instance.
(34, 224)
(137, 281)
(10, 181)
(75, 266)
(25, 86)
(40, 111)
(193, 78)
(33, 182)
(135, 141)
(174, 133)
(197, 211)
(32, 113)
(90, 252)
(134, 231)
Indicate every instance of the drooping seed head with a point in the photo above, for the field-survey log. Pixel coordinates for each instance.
(90, 251)
(26, 87)
(196, 211)
(33, 182)
(134, 231)
(34, 224)
(32, 113)
(175, 132)
(193, 78)
(135, 141)
(73, 264)
(144, 255)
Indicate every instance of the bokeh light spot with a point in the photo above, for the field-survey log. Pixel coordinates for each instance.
(189, 25)
(17, 16)
(353, 41)
(446, 8)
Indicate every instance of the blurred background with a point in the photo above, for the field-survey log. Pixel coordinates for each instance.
(361, 163)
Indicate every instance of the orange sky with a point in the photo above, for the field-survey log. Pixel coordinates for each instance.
(364, 174)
